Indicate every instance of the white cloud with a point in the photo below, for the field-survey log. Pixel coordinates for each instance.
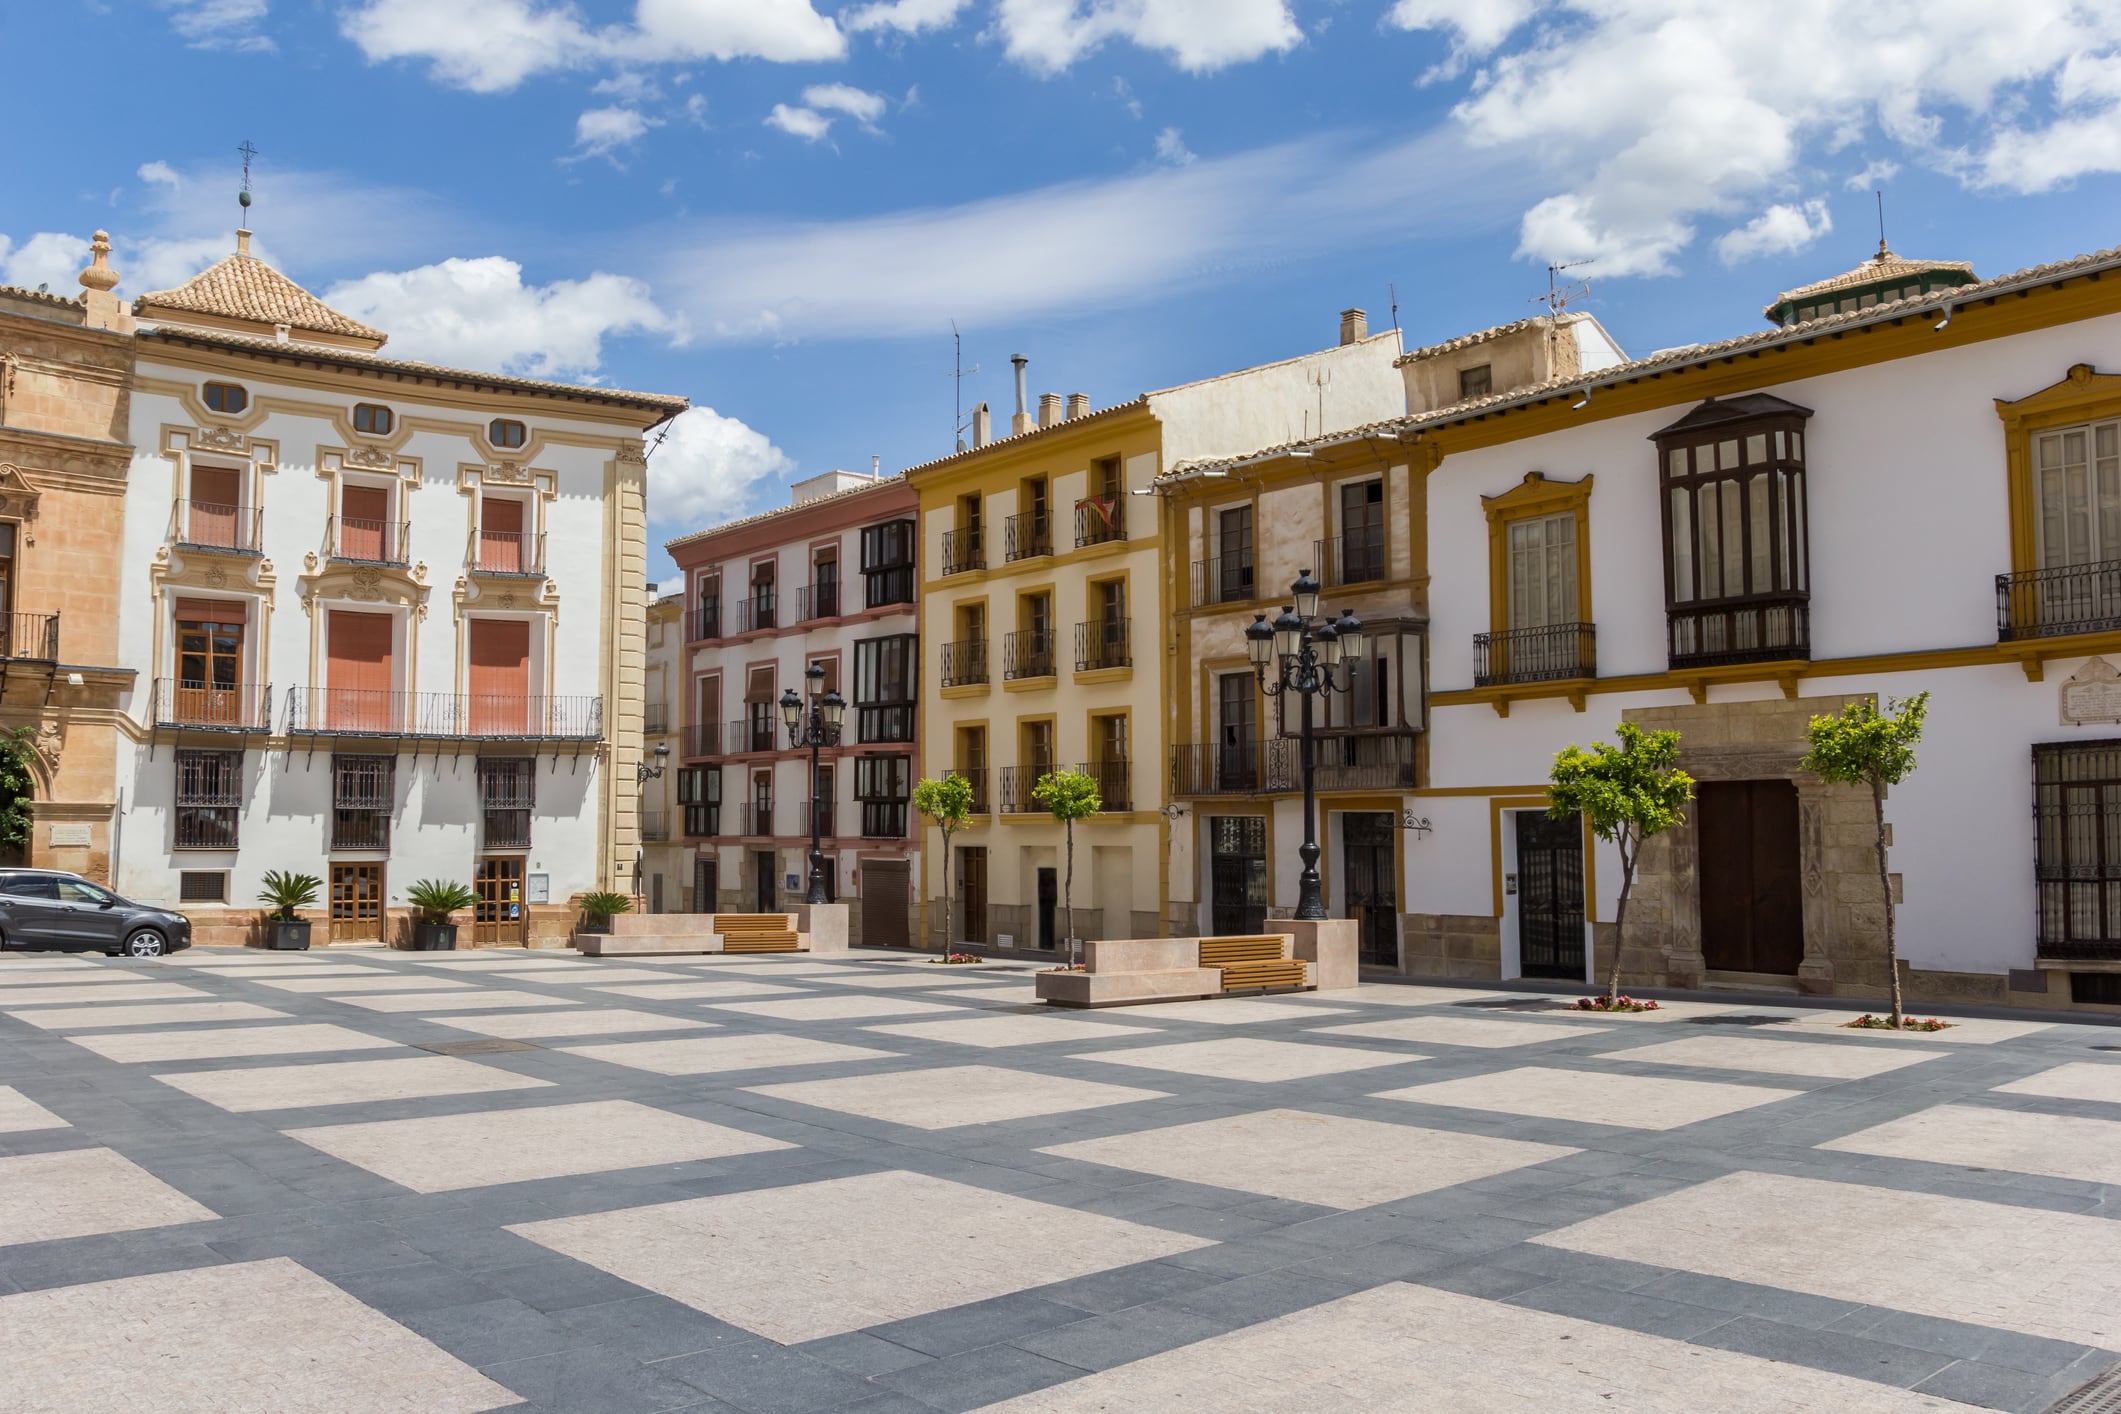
(696, 109)
(862, 106)
(1171, 147)
(159, 174)
(478, 313)
(1873, 174)
(707, 469)
(50, 258)
(805, 123)
(1677, 110)
(1782, 229)
(220, 24)
(905, 16)
(1047, 36)
(601, 131)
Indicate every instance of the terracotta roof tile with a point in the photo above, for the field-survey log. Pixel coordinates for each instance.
(895, 479)
(245, 287)
(1883, 266)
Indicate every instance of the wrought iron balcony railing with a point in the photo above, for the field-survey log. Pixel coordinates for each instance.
(655, 720)
(760, 611)
(239, 707)
(377, 712)
(749, 735)
(1230, 768)
(1354, 556)
(1027, 534)
(1027, 653)
(358, 540)
(965, 662)
(1225, 579)
(655, 826)
(703, 622)
(1104, 643)
(1016, 786)
(1551, 653)
(976, 777)
(1114, 783)
(826, 817)
(506, 552)
(210, 525)
(31, 636)
(1098, 520)
(699, 740)
(2060, 600)
(964, 551)
(817, 601)
(1764, 630)
(757, 819)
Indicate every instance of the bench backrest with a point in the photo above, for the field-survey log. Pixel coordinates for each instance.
(1220, 952)
(727, 923)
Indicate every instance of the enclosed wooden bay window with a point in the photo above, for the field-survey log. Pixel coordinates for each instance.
(1737, 572)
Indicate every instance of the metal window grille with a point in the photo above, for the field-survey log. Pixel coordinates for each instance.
(507, 795)
(209, 799)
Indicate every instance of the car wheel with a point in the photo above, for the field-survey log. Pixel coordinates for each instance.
(145, 942)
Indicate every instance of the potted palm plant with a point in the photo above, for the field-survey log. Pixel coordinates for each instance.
(436, 899)
(598, 907)
(286, 930)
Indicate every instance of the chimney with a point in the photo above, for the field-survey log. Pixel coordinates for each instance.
(1078, 405)
(1354, 326)
(1022, 421)
(1049, 409)
(982, 426)
(242, 242)
(876, 467)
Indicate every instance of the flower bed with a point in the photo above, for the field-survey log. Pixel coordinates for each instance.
(957, 959)
(1868, 1022)
(1621, 1003)
(1064, 967)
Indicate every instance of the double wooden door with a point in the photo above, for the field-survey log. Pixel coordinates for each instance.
(887, 890)
(356, 903)
(499, 919)
(1752, 897)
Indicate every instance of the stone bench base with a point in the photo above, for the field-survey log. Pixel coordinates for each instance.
(1134, 971)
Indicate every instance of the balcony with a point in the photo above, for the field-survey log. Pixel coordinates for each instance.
(1016, 786)
(1225, 579)
(965, 662)
(485, 716)
(655, 826)
(1104, 643)
(703, 622)
(976, 777)
(699, 740)
(826, 818)
(964, 551)
(1355, 556)
(2065, 599)
(1358, 761)
(704, 821)
(1027, 653)
(655, 720)
(818, 601)
(227, 707)
(1235, 768)
(1771, 628)
(890, 584)
(755, 819)
(1099, 521)
(1553, 653)
(506, 552)
(885, 819)
(31, 636)
(1114, 783)
(760, 611)
(359, 541)
(1027, 535)
(211, 526)
(755, 734)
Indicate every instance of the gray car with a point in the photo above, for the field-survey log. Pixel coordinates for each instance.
(48, 910)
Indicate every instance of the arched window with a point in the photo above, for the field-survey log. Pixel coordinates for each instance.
(373, 421)
(506, 432)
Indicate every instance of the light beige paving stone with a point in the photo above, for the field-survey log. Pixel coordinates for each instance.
(763, 967)
(534, 1025)
(248, 1336)
(1234, 1011)
(82, 1192)
(2048, 1274)
(897, 978)
(1963, 1031)
(1458, 1031)
(1410, 994)
(1249, 1058)
(1035, 1029)
(815, 1259)
(1776, 1057)
(473, 1000)
(709, 1055)
(1027, 994)
(445, 1153)
(13, 963)
(63, 1018)
(831, 1008)
(136, 1047)
(697, 991)
(583, 975)
(2015, 1141)
(2077, 1080)
(1329, 1160)
(293, 971)
(954, 1096)
(19, 1114)
(363, 982)
(100, 992)
(1426, 1351)
(36, 976)
(282, 1087)
(1630, 1101)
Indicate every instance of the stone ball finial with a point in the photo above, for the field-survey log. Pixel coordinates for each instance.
(99, 275)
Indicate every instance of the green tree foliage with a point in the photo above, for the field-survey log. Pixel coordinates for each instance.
(1862, 745)
(287, 892)
(438, 898)
(603, 903)
(1071, 795)
(18, 787)
(948, 803)
(1629, 793)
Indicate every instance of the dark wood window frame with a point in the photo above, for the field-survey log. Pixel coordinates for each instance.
(2077, 849)
(373, 420)
(226, 398)
(886, 684)
(507, 433)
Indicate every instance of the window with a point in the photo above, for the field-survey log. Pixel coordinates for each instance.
(508, 792)
(2077, 817)
(1736, 581)
(887, 562)
(883, 785)
(1476, 382)
(1030, 531)
(764, 598)
(29, 886)
(1110, 760)
(1542, 571)
(1227, 574)
(964, 547)
(202, 886)
(1029, 651)
(886, 671)
(824, 586)
(972, 764)
(209, 796)
(209, 690)
(1101, 516)
(226, 397)
(700, 796)
(373, 421)
(1358, 556)
(707, 609)
(506, 432)
(762, 711)
(363, 800)
(1104, 640)
(2077, 473)
(81, 891)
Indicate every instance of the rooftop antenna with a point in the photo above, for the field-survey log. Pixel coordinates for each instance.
(1395, 306)
(1318, 379)
(958, 376)
(248, 151)
(1560, 295)
(1879, 192)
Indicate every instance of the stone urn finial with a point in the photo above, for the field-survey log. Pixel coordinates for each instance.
(99, 275)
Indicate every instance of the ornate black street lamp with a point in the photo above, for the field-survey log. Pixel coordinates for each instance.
(643, 773)
(815, 724)
(1305, 659)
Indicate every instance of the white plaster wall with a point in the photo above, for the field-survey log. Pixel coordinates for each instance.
(1276, 403)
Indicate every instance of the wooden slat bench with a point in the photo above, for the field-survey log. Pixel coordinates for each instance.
(1254, 962)
(756, 932)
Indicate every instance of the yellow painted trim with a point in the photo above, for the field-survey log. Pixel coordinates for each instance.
(2083, 395)
(1040, 684)
(1090, 677)
(1534, 498)
(965, 689)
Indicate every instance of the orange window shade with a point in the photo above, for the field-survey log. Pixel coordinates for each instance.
(364, 513)
(358, 694)
(214, 611)
(215, 494)
(499, 672)
(501, 535)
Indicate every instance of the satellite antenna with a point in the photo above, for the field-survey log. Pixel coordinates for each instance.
(1560, 295)
(958, 375)
(1319, 378)
(248, 151)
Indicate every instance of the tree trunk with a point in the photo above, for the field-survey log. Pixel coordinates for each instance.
(1068, 895)
(1885, 888)
(949, 895)
(1620, 916)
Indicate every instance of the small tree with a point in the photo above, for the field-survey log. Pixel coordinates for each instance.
(1071, 795)
(1864, 746)
(1628, 793)
(947, 802)
(17, 788)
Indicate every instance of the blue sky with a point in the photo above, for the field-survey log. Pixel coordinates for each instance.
(777, 207)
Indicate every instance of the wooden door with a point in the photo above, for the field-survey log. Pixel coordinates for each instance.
(499, 919)
(1237, 733)
(501, 535)
(1550, 912)
(971, 895)
(764, 886)
(706, 885)
(1752, 900)
(498, 669)
(886, 892)
(356, 903)
(364, 523)
(1237, 879)
(1373, 884)
(216, 496)
(358, 693)
(209, 688)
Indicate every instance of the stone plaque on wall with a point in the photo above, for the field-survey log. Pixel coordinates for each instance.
(2092, 695)
(70, 837)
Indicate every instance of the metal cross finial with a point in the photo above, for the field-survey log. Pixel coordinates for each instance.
(249, 151)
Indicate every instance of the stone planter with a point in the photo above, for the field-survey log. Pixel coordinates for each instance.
(595, 925)
(287, 934)
(434, 937)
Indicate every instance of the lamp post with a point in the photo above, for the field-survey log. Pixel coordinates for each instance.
(644, 773)
(1304, 658)
(815, 724)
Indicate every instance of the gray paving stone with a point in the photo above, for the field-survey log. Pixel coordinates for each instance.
(982, 1323)
(490, 1332)
(766, 1379)
(1246, 1300)
(580, 1381)
(1124, 1287)
(978, 1377)
(1104, 1341)
(860, 1353)
(1631, 1309)
(1825, 1350)
(1990, 1386)
(1791, 1308)
(652, 1328)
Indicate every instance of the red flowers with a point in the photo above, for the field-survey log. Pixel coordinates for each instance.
(1620, 1003)
(1867, 1022)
